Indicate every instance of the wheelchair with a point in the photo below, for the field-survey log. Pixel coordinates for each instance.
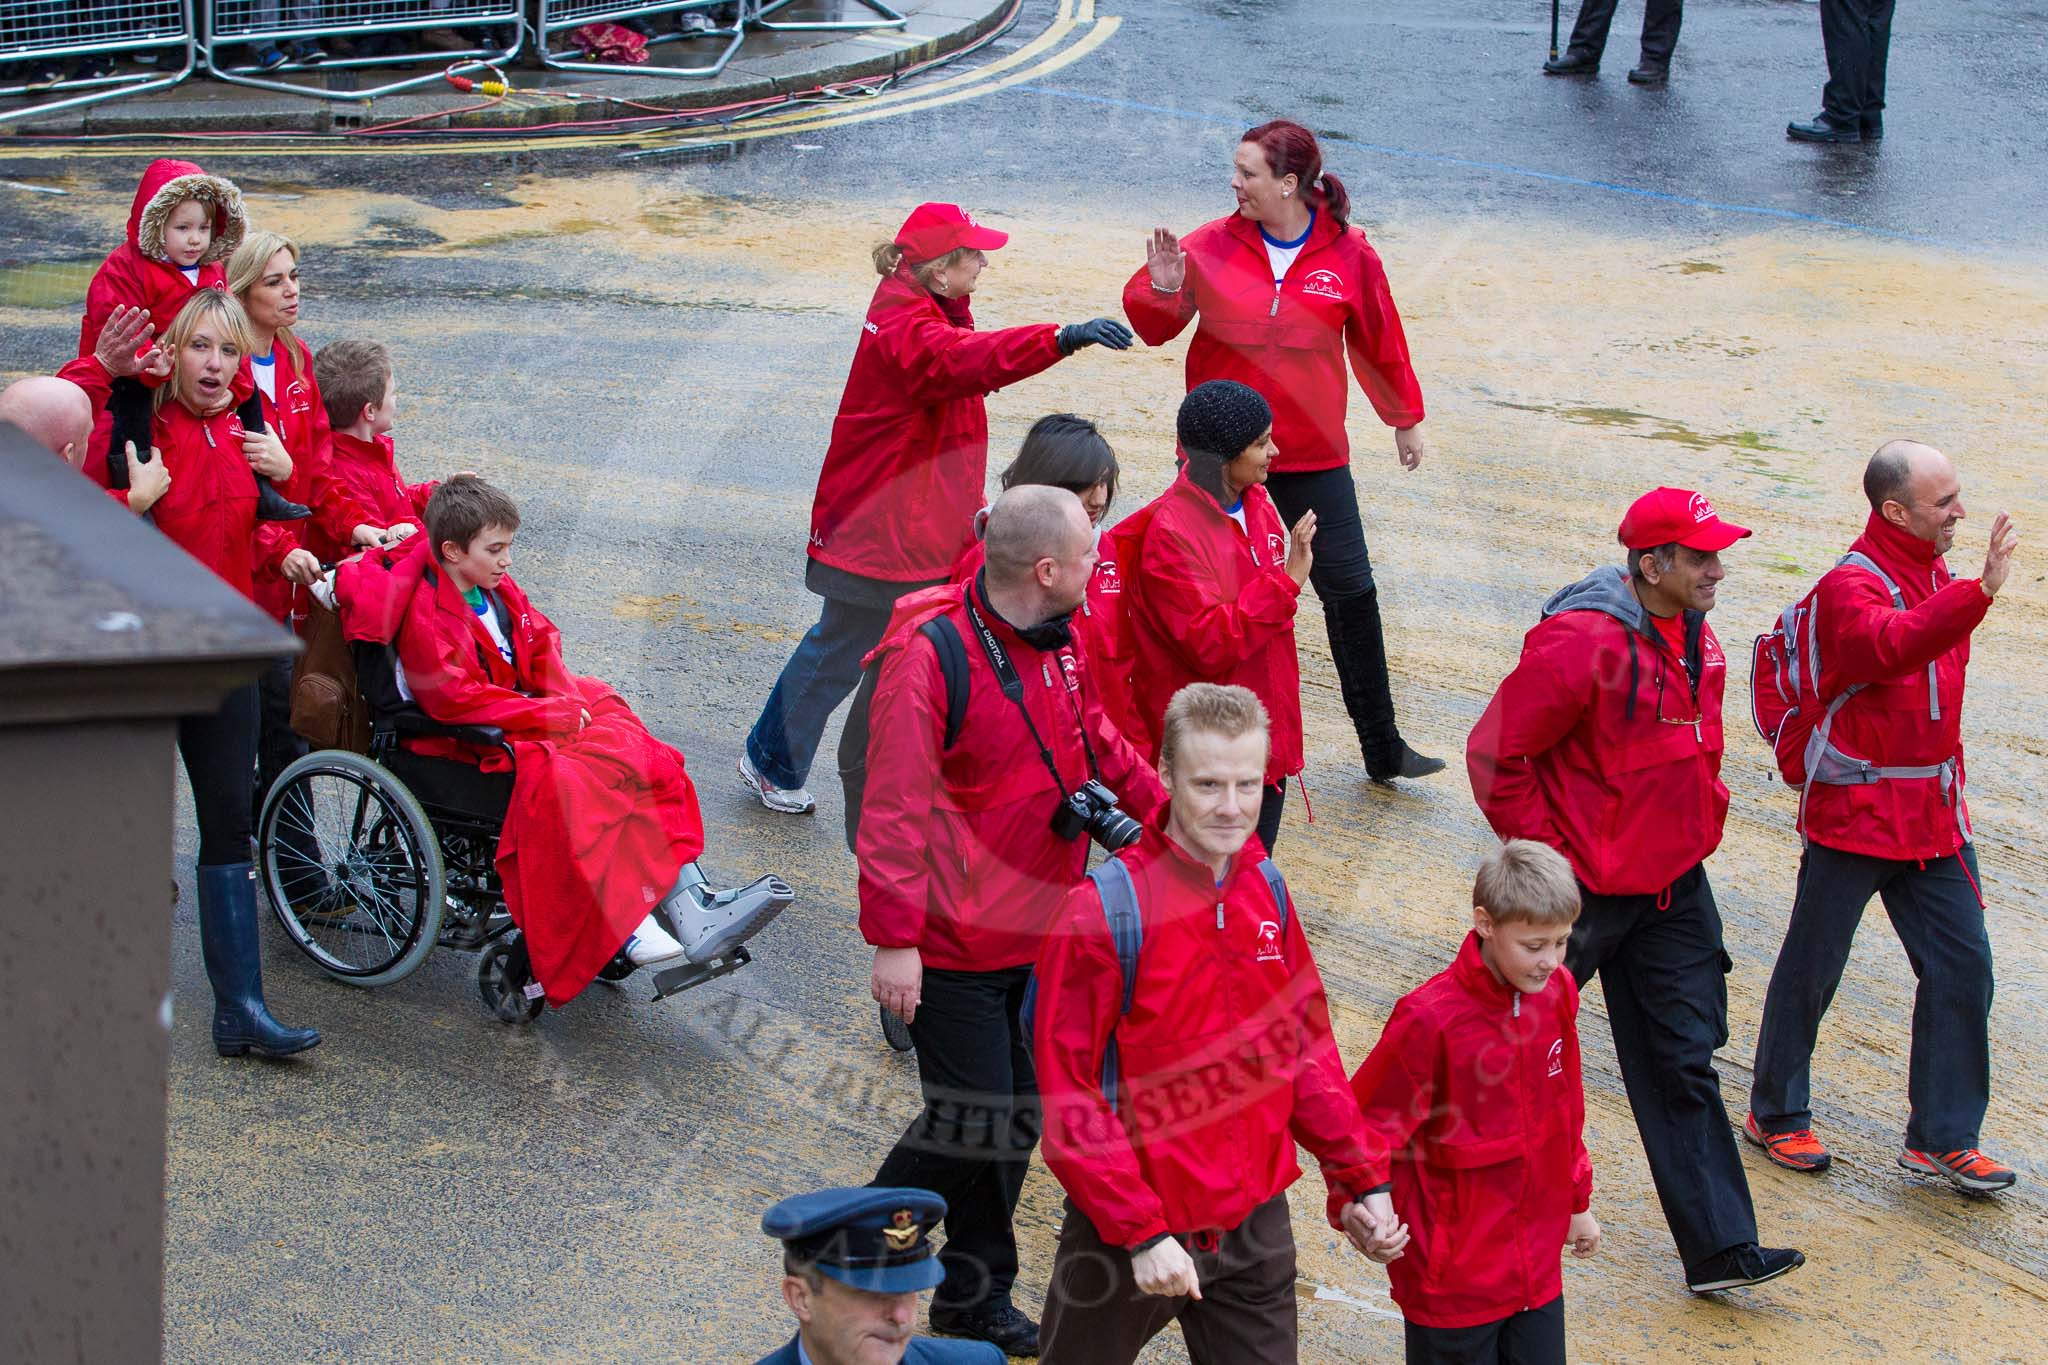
(372, 860)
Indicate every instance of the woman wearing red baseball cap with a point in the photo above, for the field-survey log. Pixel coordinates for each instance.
(1281, 293)
(904, 474)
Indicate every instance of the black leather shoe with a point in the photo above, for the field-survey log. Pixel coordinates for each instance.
(1407, 763)
(1872, 127)
(1650, 74)
(1823, 127)
(1572, 64)
(1740, 1267)
(1004, 1327)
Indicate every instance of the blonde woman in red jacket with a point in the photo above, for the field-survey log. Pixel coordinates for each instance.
(263, 275)
(903, 476)
(1282, 293)
(209, 509)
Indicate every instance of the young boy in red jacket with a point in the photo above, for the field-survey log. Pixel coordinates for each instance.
(360, 390)
(1474, 1089)
(602, 830)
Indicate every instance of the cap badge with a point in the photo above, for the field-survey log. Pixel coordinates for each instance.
(903, 1233)
(1701, 509)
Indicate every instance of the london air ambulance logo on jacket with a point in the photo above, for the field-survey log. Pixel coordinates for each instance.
(1556, 1067)
(1324, 284)
(1269, 942)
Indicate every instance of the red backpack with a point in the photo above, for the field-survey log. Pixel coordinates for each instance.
(1786, 703)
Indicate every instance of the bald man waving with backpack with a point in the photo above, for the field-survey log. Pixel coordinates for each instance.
(1860, 692)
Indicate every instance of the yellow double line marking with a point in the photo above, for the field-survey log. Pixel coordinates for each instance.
(1043, 54)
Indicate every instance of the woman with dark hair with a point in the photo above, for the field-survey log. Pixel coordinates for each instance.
(1214, 579)
(903, 475)
(1282, 292)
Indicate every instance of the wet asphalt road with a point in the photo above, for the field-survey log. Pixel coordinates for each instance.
(649, 354)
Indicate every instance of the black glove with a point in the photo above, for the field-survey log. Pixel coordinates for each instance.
(1098, 332)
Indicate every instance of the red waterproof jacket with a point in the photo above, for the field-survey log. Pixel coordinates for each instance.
(300, 420)
(135, 273)
(368, 472)
(210, 507)
(1865, 640)
(1225, 1060)
(1474, 1089)
(602, 816)
(1599, 744)
(1212, 602)
(958, 858)
(1288, 342)
(909, 452)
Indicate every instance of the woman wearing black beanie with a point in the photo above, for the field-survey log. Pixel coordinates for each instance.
(1282, 293)
(1214, 583)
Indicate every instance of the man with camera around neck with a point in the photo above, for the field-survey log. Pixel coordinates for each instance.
(991, 770)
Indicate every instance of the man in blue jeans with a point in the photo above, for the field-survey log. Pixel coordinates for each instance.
(1884, 815)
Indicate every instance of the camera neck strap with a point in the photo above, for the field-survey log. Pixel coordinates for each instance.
(1013, 687)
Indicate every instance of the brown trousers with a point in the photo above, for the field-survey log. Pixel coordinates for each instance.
(1096, 1315)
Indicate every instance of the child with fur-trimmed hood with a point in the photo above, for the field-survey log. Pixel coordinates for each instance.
(182, 226)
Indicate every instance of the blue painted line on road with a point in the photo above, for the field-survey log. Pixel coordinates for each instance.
(1525, 172)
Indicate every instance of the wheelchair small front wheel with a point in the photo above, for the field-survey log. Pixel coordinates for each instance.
(504, 977)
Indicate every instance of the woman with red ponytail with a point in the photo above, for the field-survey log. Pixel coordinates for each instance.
(1282, 292)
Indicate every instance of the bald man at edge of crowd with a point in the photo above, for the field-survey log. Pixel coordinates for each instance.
(54, 413)
(1884, 814)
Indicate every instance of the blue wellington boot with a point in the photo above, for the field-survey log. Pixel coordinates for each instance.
(227, 936)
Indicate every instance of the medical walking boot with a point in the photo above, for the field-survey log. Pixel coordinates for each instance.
(228, 940)
(709, 923)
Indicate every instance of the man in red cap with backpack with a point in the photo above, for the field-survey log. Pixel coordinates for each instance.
(1860, 692)
(1605, 743)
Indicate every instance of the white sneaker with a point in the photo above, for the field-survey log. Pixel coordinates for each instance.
(795, 801)
(650, 943)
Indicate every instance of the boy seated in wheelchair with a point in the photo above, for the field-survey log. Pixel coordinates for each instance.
(601, 837)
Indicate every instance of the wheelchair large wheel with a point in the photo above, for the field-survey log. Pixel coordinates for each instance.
(352, 867)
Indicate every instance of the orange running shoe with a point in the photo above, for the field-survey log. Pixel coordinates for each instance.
(1968, 1170)
(1796, 1151)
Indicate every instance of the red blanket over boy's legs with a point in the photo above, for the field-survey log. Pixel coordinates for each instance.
(600, 824)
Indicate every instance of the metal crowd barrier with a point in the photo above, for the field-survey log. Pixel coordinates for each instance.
(562, 16)
(41, 35)
(381, 33)
(558, 17)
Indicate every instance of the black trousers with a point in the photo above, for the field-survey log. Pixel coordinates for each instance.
(1660, 29)
(1940, 919)
(219, 752)
(1858, 37)
(1270, 806)
(1534, 1336)
(1664, 974)
(278, 746)
(1342, 578)
(1095, 1314)
(972, 1143)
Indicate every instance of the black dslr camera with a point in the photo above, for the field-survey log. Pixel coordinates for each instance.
(1092, 810)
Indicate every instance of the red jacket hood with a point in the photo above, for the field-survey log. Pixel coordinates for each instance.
(1322, 230)
(372, 591)
(166, 183)
(1902, 553)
